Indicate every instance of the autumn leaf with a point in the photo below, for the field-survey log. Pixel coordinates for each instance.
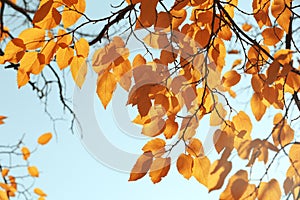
(218, 115)
(155, 146)
(159, 169)
(64, 57)
(217, 174)
(82, 47)
(25, 152)
(269, 190)
(231, 78)
(1, 119)
(184, 165)
(141, 166)
(78, 68)
(106, 85)
(45, 138)
(281, 13)
(33, 171)
(272, 35)
(195, 147)
(47, 16)
(70, 15)
(258, 108)
(40, 192)
(33, 38)
(200, 169)
(246, 27)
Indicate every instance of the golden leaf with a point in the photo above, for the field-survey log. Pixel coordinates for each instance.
(184, 165)
(217, 174)
(106, 85)
(258, 108)
(33, 171)
(70, 15)
(33, 38)
(159, 169)
(231, 78)
(272, 35)
(25, 152)
(269, 191)
(141, 166)
(201, 169)
(78, 69)
(156, 146)
(45, 138)
(39, 192)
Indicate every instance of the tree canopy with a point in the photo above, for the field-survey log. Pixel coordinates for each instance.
(225, 64)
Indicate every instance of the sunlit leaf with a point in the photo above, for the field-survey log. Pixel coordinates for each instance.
(78, 68)
(45, 138)
(33, 37)
(201, 169)
(141, 166)
(106, 85)
(272, 35)
(33, 171)
(70, 15)
(269, 191)
(40, 192)
(159, 169)
(184, 165)
(25, 152)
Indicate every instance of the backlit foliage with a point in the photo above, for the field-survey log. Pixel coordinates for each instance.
(197, 54)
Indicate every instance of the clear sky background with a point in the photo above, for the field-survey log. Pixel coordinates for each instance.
(68, 170)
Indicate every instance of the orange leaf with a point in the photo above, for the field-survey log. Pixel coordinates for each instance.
(241, 123)
(217, 174)
(47, 16)
(157, 40)
(78, 69)
(39, 192)
(106, 85)
(272, 35)
(3, 195)
(82, 47)
(63, 39)
(184, 165)
(282, 13)
(14, 50)
(33, 38)
(231, 78)
(223, 139)
(236, 186)
(236, 63)
(49, 50)
(156, 146)
(257, 106)
(171, 128)
(154, 128)
(22, 77)
(159, 169)
(141, 166)
(246, 27)
(195, 147)
(45, 138)
(33, 171)
(272, 72)
(201, 169)
(2, 118)
(148, 14)
(138, 61)
(64, 57)
(261, 12)
(71, 14)
(25, 152)
(5, 172)
(269, 191)
(163, 20)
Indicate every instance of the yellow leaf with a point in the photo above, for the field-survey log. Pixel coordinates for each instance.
(47, 16)
(106, 85)
(156, 146)
(184, 165)
(64, 57)
(49, 50)
(272, 35)
(33, 38)
(63, 39)
(45, 138)
(217, 174)
(33, 171)
(22, 77)
(138, 61)
(82, 47)
(236, 63)
(269, 191)
(159, 169)
(241, 123)
(71, 14)
(39, 192)
(78, 69)
(201, 169)
(141, 166)
(218, 115)
(32, 62)
(25, 152)
(257, 106)
(231, 78)
(14, 50)
(283, 134)
(3, 195)
(261, 12)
